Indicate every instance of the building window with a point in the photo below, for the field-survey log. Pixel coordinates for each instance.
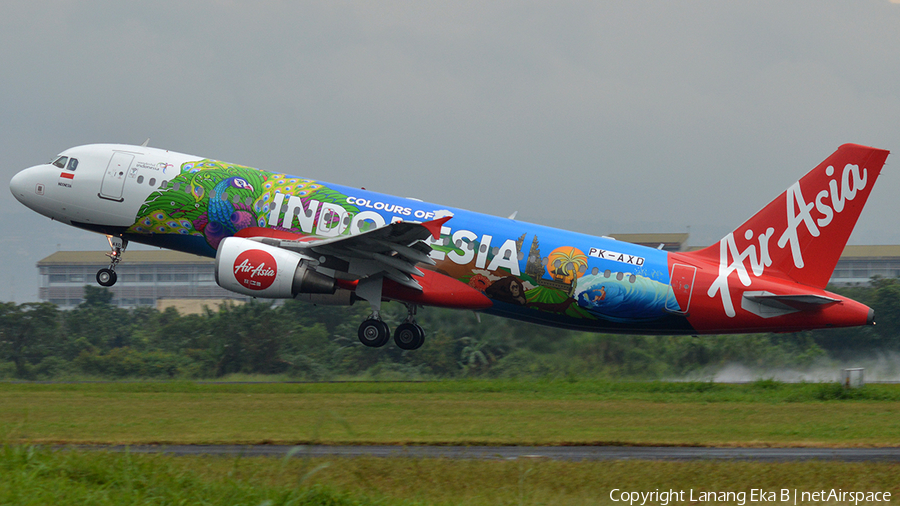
(58, 278)
(146, 278)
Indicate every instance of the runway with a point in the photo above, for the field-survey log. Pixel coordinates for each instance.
(569, 453)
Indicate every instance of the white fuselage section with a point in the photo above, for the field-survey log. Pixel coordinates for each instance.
(106, 188)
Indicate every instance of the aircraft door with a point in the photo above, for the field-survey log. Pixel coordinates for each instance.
(114, 179)
(682, 281)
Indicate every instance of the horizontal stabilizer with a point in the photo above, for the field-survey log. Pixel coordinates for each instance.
(801, 301)
(767, 304)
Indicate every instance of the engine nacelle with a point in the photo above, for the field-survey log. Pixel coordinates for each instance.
(260, 270)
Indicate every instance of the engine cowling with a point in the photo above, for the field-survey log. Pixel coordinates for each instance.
(260, 270)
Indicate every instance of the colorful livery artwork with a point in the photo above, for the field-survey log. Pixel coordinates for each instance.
(276, 235)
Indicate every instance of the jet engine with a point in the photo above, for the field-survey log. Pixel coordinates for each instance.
(260, 270)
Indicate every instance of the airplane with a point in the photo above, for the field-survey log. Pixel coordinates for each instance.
(275, 235)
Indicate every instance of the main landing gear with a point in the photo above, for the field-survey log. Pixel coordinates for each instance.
(373, 332)
(117, 245)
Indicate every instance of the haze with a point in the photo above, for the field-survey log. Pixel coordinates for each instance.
(599, 117)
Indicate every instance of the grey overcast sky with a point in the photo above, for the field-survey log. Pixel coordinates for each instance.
(600, 117)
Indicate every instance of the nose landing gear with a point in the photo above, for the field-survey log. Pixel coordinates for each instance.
(117, 245)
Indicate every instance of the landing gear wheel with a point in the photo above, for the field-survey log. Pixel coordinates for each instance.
(106, 277)
(374, 333)
(117, 245)
(409, 336)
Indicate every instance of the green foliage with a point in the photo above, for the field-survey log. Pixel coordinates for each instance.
(128, 363)
(28, 334)
(95, 296)
(305, 342)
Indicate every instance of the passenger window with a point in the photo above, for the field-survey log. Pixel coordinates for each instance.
(161, 185)
(61, 162)
(140, 179)
(73, 164)
(152, 181)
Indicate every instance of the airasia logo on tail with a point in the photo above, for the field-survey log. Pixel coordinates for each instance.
(829, 202)
(255, 269)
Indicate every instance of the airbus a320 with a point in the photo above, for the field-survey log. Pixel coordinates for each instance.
(276, 235)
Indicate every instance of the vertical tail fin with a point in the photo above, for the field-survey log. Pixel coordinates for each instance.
(802, 233)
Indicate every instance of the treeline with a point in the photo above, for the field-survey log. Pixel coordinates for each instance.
(302, 341)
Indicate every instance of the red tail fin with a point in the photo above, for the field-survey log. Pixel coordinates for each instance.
(803, 232)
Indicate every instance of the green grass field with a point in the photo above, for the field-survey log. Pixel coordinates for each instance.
(453, 412)
(40, 477)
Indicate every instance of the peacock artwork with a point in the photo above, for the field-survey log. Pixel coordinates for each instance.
(214, 200)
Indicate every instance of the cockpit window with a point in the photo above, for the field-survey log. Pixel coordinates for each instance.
(73, 164)
(61, 162)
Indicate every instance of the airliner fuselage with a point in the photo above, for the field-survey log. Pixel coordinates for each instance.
(279, 235)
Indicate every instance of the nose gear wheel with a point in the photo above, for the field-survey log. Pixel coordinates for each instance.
(106, 277)
(117, 245)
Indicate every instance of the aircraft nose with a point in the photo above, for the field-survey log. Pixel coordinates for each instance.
(17, 185)
(24, 185)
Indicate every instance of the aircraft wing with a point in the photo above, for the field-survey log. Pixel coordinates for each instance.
(393, 250)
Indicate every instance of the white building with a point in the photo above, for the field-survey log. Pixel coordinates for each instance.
(144, 278)
(858, 264)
